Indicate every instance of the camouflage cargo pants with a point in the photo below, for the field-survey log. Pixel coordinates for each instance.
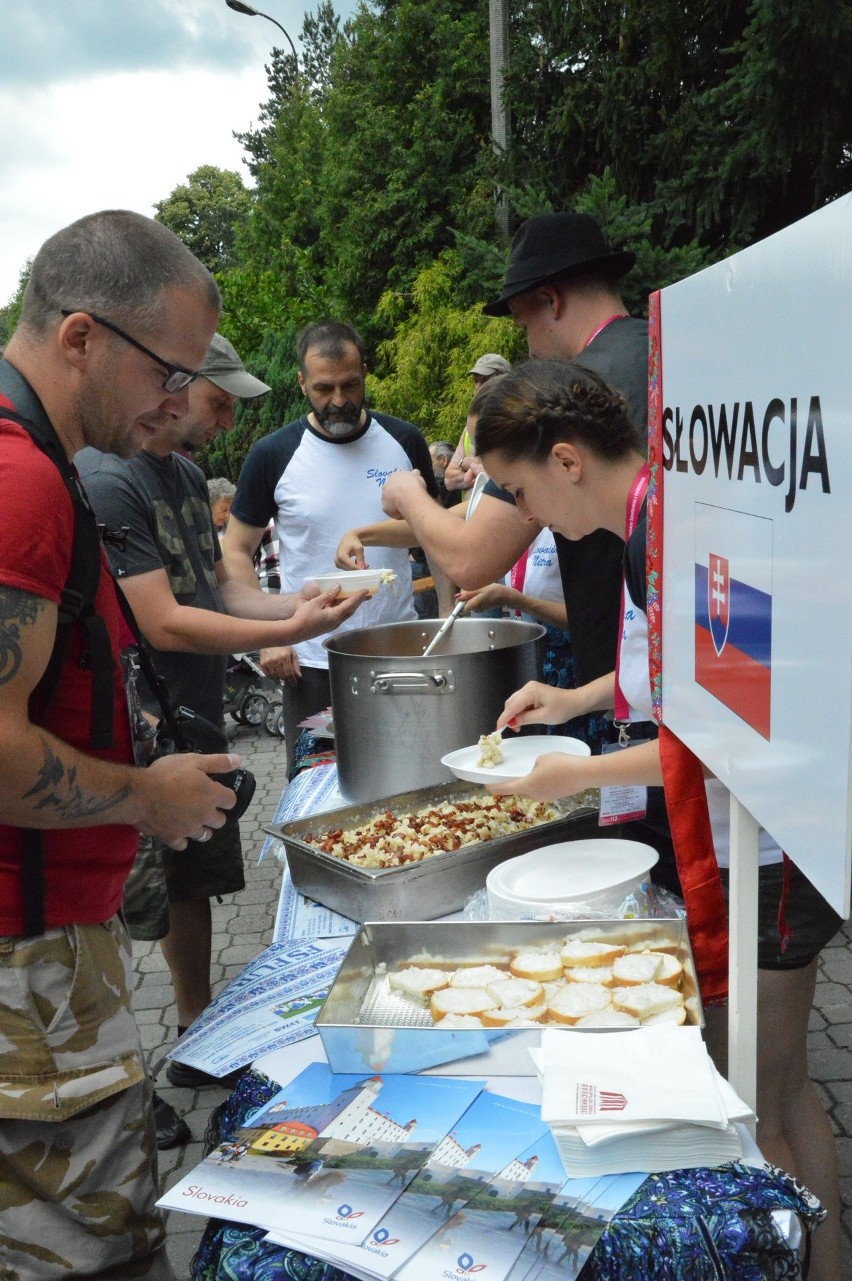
(78, 1158)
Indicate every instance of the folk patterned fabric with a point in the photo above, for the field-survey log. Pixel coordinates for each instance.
(688, 1225)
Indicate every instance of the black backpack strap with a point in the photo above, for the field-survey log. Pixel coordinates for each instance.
(78, 596)
(76, 604)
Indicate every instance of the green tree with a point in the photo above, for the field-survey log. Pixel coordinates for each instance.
(10, 314)
(433, 346)
(207, 212)
(372, 163)
(727, 119)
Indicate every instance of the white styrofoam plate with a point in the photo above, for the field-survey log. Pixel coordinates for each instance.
(350, 580)
(519, 756)
(570, 870)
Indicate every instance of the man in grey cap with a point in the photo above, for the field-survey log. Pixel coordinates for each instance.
(463, 468)
(487, 366)
(192, 615)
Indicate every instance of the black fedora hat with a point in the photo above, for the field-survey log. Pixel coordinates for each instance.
(556, 244)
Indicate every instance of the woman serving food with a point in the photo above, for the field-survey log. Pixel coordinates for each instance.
(559, 440)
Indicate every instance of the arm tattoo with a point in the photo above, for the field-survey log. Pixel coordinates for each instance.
(56, 788)
(17, 610)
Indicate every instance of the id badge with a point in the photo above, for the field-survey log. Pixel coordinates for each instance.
(625, 803)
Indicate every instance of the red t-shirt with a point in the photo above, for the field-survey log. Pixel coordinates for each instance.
(85, 868)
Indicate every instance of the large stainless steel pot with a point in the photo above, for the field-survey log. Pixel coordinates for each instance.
(397, 713)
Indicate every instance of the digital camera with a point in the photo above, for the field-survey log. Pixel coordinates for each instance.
(184, 731)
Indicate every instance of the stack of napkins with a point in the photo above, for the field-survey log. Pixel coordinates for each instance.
(648, 1099)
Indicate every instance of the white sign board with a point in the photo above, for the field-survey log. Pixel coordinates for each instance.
(757, 491)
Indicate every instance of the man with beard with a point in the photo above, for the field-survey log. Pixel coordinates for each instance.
(192, 615)
(318, 477)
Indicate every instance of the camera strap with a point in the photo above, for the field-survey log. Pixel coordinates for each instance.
(156, 682)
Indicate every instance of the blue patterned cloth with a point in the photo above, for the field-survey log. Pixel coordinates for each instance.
(688, 1225)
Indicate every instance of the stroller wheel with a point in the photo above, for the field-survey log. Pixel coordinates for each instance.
(253, 709)
(274, 714)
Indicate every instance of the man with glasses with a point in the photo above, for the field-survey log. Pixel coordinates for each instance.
(176, 377)
(193, 614)
(77, 1148)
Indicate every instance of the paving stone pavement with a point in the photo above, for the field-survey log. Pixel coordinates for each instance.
(242, 926)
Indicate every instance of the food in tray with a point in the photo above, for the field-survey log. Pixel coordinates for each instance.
(646, 967)
(646, 1000)
(590, 974)
(460, 1000)
(418, 982)
(477, 976)
(578, 952)
(386, 577)
(577, 1000)
(514, 1015)
(526, 991)
(393, 840)
(490, 750)
(537, 965)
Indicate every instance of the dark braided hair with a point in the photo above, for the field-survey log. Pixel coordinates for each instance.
(541, 402)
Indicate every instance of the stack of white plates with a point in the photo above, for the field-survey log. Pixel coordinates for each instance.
(594, 873)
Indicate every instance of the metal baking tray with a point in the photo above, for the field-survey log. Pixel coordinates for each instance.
(366, 1027)
(418, 891)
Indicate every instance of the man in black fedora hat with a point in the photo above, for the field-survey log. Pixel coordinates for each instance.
(561, 287)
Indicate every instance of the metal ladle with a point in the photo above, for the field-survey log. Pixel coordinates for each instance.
(458, 608)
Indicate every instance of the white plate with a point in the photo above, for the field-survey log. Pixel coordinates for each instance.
(350, 581)
(519, 756)
(571, 870)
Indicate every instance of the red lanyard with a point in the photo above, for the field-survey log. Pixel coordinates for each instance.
(518, 575)
(634, 506)
(601, 328)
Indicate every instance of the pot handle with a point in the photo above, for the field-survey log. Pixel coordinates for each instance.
(412, 683)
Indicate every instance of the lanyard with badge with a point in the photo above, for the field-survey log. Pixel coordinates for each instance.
(625, 803)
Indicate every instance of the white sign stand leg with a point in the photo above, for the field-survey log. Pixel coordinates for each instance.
(742, 952)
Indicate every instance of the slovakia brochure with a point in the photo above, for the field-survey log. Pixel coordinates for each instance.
(328, 1155)
(270, 1004)
(485, 1203)
(570, 1227)
(490, 1231)
(484, 1142)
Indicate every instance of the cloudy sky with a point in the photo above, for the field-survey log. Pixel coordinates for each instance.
(111, 103)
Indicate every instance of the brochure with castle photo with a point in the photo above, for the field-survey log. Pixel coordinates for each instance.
(569, 1228)
(490, 1230)
(328, 1155)
(484, 1142)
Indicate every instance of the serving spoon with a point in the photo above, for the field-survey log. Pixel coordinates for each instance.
(458, 608)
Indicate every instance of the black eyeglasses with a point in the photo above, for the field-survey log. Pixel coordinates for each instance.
(176, 376)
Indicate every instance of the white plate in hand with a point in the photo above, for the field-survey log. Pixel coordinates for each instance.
(350, 581)
(519, 756)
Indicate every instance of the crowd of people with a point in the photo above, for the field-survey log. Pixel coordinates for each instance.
(526, 516)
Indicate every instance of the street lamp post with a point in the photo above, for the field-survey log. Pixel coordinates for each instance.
(239, 7)
(498, 27)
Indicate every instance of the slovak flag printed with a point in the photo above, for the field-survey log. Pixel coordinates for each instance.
(733, 611)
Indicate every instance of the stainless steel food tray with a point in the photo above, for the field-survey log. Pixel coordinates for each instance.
(365, 1026)
(418, 891)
